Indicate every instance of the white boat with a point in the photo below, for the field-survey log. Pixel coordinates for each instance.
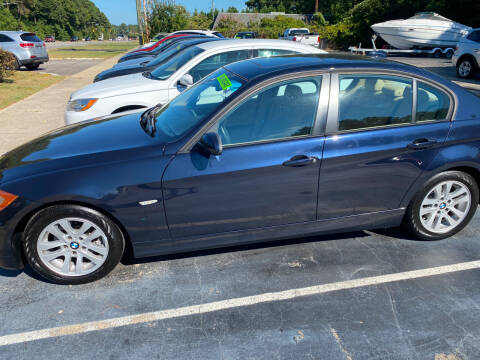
(424, 30)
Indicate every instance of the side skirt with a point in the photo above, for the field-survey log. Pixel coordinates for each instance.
(377, 220)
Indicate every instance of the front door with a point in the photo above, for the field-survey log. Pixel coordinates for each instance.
(267, 174)
(384, 130)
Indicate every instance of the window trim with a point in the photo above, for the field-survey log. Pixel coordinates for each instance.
(318, 125)
(332, 118)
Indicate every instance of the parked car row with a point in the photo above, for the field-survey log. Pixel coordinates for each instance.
(175, 63)
(238, 141)
(27, 48)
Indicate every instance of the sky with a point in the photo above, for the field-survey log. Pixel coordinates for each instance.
(123, 11)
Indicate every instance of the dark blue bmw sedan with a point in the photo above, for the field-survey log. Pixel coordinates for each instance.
(261, 149)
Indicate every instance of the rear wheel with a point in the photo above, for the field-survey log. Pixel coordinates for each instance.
(32, 66)
(449, 53)
(444, 207)
(71, 244)
(466, 68)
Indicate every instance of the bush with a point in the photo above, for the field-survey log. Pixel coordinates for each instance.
(339, 36)
(7, 64)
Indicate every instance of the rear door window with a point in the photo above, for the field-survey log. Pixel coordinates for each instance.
(30, 37)
(273, 52)
(368, 101)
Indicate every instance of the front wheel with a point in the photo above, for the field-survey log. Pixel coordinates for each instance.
(466, 69)
(71, 244)
(444, 207)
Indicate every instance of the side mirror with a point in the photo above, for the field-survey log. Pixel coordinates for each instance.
(210, 144)
(186, 80)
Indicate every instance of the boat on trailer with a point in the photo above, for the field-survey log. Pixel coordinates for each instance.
(426, 30)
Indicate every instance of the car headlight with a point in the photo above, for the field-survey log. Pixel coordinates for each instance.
(81, 104)
(6, 199)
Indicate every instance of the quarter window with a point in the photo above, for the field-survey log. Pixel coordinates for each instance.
(474, 36)
(4, 38)
(284, 110)
(215, 62)
(432, 103)
(367, 101)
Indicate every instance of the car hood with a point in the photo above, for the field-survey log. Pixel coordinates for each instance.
(133, 62)
(83, 144)
(121, 85)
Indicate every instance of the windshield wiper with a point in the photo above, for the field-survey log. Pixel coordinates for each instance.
(149, 117)
(147, 74)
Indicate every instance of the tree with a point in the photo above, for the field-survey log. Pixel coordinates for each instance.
(166, 16)
(232, 9)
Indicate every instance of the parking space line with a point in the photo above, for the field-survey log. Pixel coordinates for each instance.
(232, 303)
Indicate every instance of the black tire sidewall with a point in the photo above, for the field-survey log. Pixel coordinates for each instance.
(412, 219)
(46, 216)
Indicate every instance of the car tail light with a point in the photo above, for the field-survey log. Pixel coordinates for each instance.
(32, 57)
(318, 40)
(294, 38)
(6, 199)
(27, 45)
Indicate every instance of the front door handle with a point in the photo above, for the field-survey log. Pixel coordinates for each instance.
(300, 160)
(422, 143)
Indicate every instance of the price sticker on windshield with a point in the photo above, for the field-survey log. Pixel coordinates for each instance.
(224, 81)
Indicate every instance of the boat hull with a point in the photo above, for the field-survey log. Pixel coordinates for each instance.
(403, 35)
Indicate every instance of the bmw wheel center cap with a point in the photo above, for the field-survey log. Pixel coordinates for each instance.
(74, 245)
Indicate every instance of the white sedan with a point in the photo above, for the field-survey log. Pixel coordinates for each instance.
(139, 91)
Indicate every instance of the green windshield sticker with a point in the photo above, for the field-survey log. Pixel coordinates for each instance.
(224, 81)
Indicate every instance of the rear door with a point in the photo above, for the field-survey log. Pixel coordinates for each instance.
(382, 131)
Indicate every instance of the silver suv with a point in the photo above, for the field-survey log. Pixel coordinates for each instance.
(467, 55)
(29, 50)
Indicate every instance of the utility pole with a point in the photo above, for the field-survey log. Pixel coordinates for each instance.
(145, 21)
(316, 6)
(139, 22)
(213, 10)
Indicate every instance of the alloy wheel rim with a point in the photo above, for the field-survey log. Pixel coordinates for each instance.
(445, 206)
(465, 68)
(72, 247)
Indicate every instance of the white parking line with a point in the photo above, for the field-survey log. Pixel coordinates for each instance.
(231, 303)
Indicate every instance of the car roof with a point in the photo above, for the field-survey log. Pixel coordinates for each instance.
(257, 42)
(16, 32)
(257, 68)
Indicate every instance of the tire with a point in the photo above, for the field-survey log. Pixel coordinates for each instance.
(466, 68)
(82, 234)
(437, 54)
(438, 220)
(32, 67)
(449, 53)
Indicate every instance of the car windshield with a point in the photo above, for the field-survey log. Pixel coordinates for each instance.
(166, 54)
(194, 105)
(429, 16)
(168, 68)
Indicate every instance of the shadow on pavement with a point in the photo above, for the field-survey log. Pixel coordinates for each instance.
(128, 260)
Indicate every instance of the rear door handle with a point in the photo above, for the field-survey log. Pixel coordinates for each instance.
(300, 160)
(422, 143)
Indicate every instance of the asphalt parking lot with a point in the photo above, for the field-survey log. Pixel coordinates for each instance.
(363, 295)
(66, 67)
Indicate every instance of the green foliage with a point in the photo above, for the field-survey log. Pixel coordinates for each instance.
(7, 65)
(60, 18)
(271, 28)
(200, 20)
(318, 19)
(339, 35)
(166, 16)
(232, 9)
